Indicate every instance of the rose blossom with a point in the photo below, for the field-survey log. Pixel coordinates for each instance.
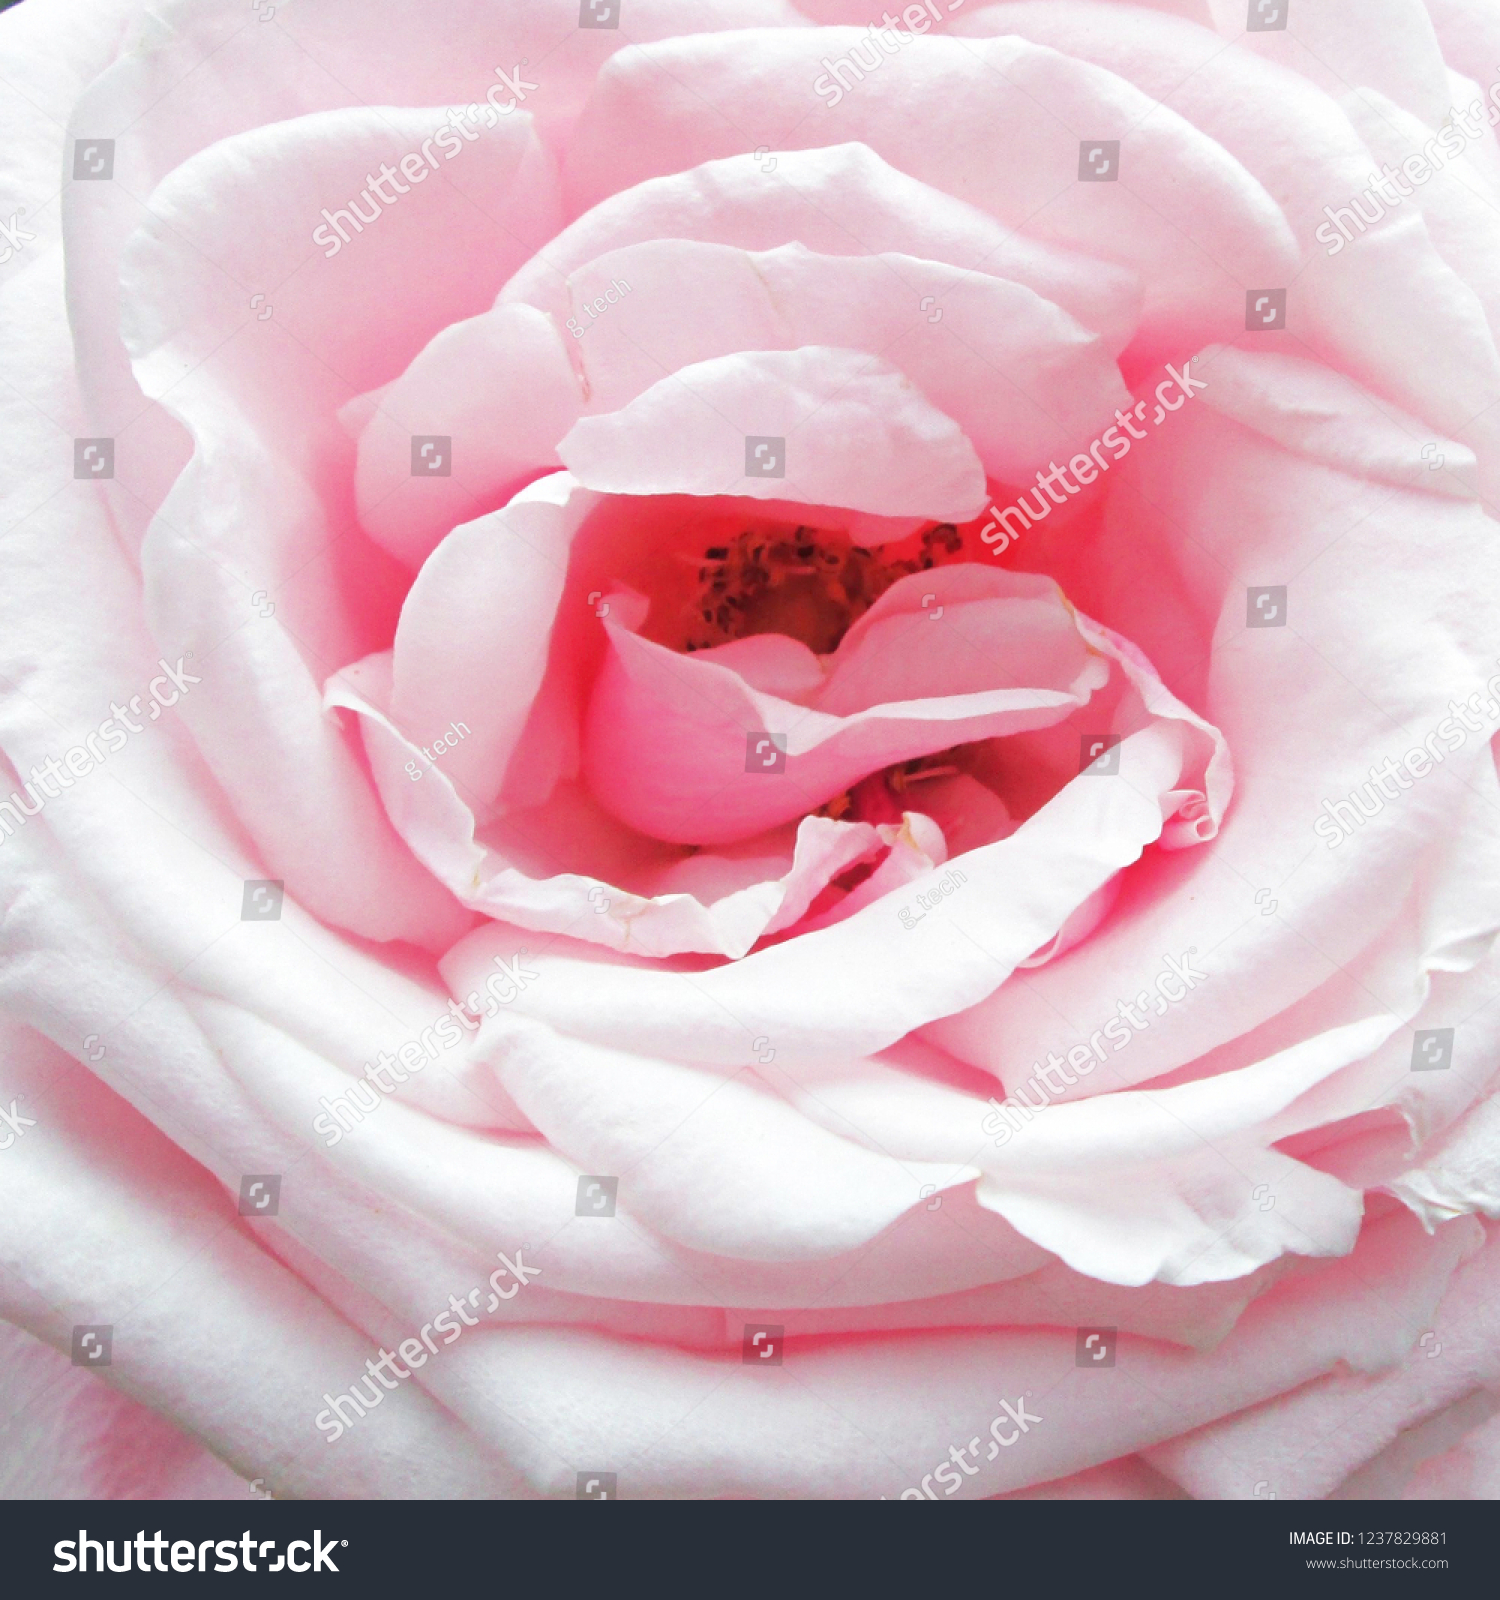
(855, 724)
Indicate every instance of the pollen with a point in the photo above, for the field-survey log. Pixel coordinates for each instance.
(810, 584)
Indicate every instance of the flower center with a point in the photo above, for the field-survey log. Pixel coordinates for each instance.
(810, 584)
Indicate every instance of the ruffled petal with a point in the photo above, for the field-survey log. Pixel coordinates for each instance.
(694, 748)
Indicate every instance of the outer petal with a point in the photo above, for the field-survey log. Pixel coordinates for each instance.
(1187, 212)
(1386, 45)
(1303, 1444)
(122, 1230)
(1469, 1472)
(68, 1436)
(258, 498)
(662, 1418)
(1354, 306)
(1460, 1174)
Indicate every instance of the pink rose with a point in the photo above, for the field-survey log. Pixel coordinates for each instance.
(795, 721)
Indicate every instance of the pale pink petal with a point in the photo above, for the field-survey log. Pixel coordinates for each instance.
(800, 995)
(539, 872)
(840, 200)
(716, 903)
(1166, 1185)
(1213, 511)
(915, 848)
(1460, 1174)
(259, 496)
(1021, 378)
(500, 389)
(1189, 210)
(1468, 34)
(1310, 409)
(1386, 45)
(1302, 1444)
(887, 1409)
(119, 1228)
(1456, 199)
(69, 1436)
(1470, 1471)
(1361, 306)
(471, 647)
(714, 1161)
(828, 417)
(478, 1189)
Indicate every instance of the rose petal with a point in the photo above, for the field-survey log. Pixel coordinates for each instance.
(842, 200)
(1303, 1443)
(1353, 305)
(714, 903)
(500, 389)
(1019, 377)
(1386, 45)
(824, 416)
(664, 1417)
(1188, 211)
(1214, 512)
(799, 997)
(670, 745)
(121, 1229)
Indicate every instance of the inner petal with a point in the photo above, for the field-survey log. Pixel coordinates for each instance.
(900, 653)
